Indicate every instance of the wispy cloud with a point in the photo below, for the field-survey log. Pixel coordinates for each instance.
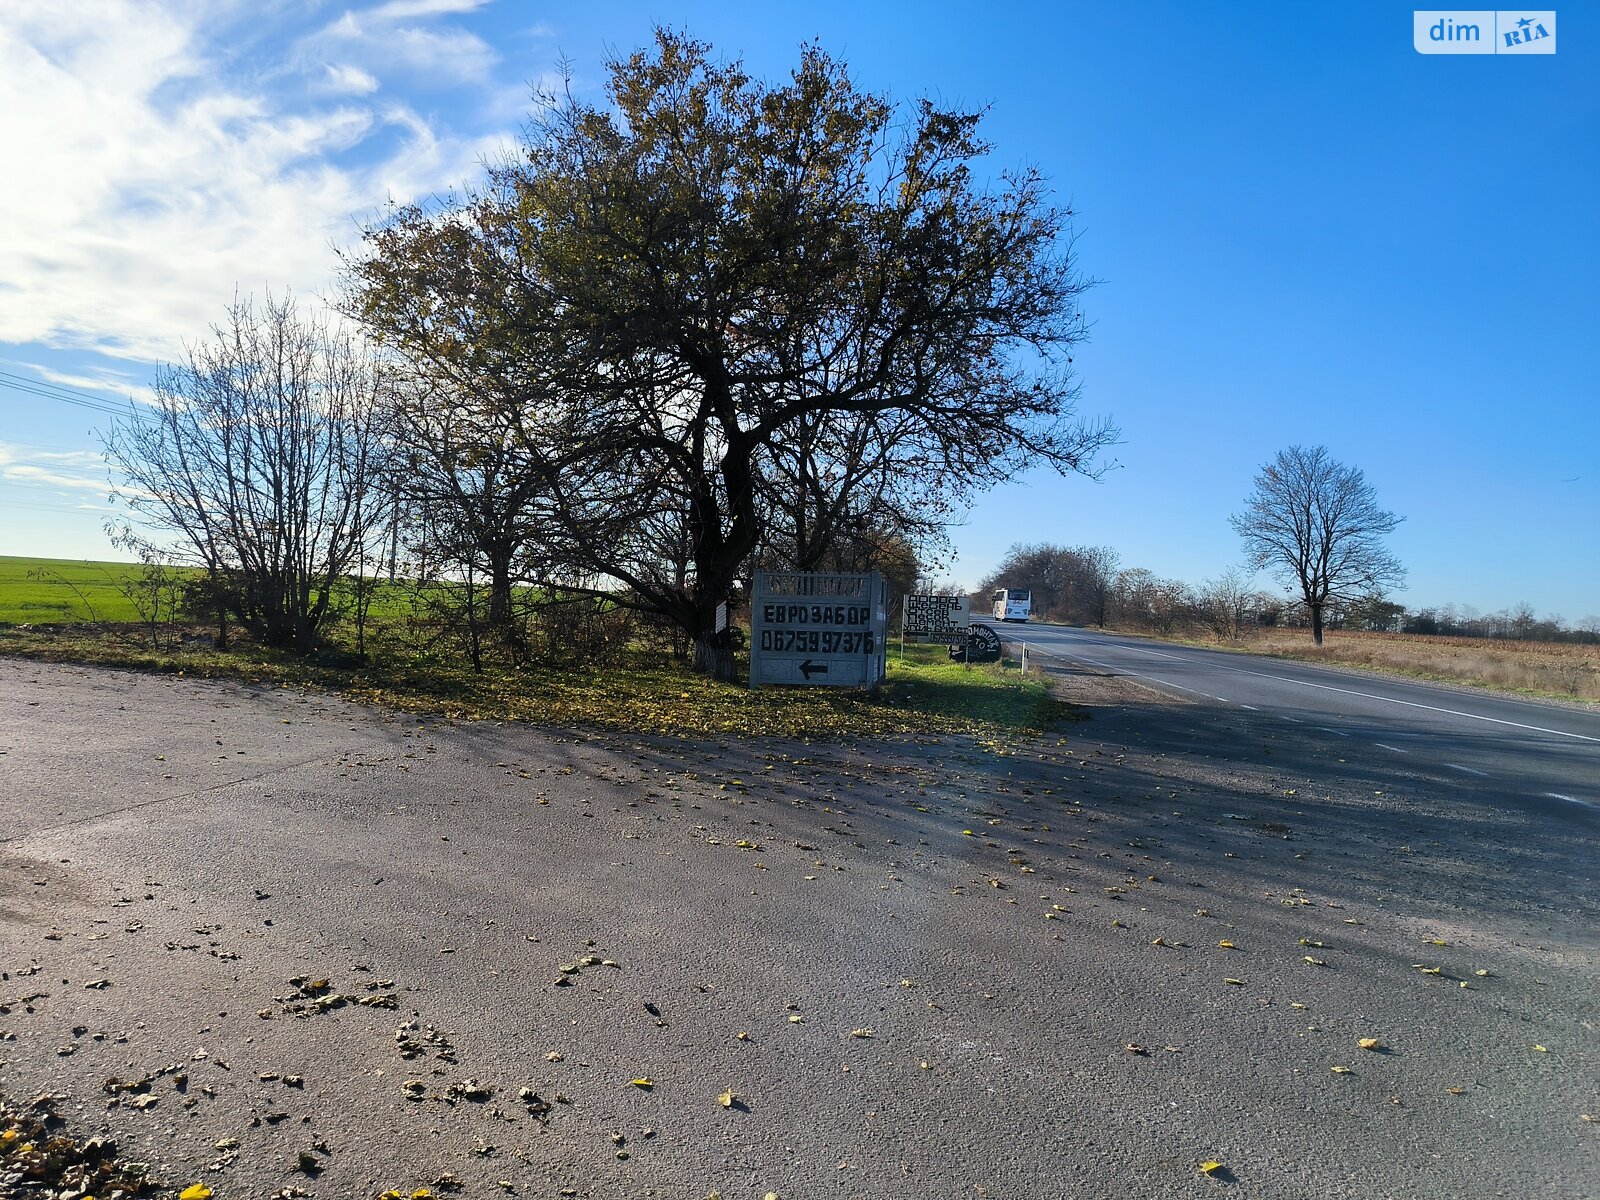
(400, 10)
(160, 170)
(117, 385)
(31, 473)
(342, 77)
(383, 38)
(71, 470)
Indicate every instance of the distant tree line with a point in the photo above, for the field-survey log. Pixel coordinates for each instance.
(707, 326)
(1084, 585)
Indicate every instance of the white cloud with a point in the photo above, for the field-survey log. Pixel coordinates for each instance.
(115, 382)
(72, 470)
(153, 174)
(400, 10)
(342, 77)
(32, 473)
(377, 39)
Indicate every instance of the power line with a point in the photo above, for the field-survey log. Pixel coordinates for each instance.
(7, 482)
(61, 508)
(64, 395)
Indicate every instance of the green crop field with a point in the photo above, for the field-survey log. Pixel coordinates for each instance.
(59, 591)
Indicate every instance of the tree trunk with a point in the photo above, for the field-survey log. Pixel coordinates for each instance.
(221, 603)
(1316, 623)
(499, 589)
(713, 656)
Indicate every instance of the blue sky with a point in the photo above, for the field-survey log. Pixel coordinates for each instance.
(1304, 231)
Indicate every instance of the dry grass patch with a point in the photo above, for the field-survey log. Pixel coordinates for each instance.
(1552, 669)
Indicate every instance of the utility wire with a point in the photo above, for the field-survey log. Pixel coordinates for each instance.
(61, 508)
(64, 395)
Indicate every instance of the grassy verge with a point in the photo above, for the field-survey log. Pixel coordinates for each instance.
(641, 692)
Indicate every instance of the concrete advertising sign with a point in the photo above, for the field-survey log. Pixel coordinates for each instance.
(818, 628)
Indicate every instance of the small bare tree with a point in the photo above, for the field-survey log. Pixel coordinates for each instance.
(1225, 603)
(1317, 525)
(260, 464)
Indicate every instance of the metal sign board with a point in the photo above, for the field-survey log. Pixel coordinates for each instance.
(936, 618)
(818, 628)
(982, 645)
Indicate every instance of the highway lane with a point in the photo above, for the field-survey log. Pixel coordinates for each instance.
(1541, 755)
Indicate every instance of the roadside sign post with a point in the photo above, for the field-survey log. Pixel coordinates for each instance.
(932, 618)
(820, 629)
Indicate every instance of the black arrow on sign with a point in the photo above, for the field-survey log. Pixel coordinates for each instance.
(809, 668)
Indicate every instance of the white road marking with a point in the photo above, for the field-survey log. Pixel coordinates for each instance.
(1572, 799)
(1468, 770)
(1385, 746)
(1137, 675)
(1154, 653)
(1291, 720)
(1335, 732)
(1452, 712)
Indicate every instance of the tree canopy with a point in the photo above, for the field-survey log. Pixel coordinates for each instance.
(745, 317)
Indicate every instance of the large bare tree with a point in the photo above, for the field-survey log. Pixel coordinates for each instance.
(711, 262)
(1316, 524)
(260, 463)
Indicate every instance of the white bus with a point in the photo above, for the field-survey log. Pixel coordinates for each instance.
(1012, 604)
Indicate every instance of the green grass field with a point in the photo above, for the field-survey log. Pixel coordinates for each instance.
(640, 690)
(60, 591)
(64, 591)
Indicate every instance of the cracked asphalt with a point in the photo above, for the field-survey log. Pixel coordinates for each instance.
(326, 950)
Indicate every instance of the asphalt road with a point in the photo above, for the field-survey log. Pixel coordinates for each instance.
(1542, 757)
(322, 950)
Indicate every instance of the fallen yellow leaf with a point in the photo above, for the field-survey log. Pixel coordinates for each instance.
(1225, 944)
(643, 1082)
(1235, 982)
(195, 1191)
(1210, 1168)
(727, 1098)
(1340, 1070)
(1368, 1043)
(1541, 1050)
